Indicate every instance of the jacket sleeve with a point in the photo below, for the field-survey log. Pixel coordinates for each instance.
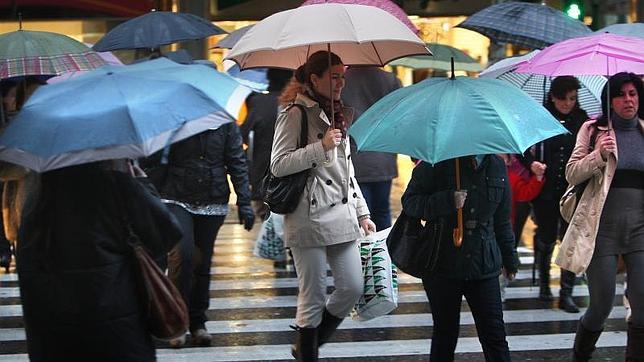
(155, 226)
(503, 231)
(526, 190)
(235, 161)
(419, 199)
(12, 172)
(582, 163)
(286, 157)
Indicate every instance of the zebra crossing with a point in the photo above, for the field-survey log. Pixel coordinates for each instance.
(252, 305)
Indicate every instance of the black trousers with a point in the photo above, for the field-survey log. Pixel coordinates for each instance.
(189, 261)
(484, 299)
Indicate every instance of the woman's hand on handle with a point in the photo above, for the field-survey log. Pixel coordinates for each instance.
(368, 226)
(607, 146)
(331, 139)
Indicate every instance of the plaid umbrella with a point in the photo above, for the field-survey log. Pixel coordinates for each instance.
(25, 52)
(537, 86)
(525, 24)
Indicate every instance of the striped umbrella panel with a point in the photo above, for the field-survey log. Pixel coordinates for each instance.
(50, 65)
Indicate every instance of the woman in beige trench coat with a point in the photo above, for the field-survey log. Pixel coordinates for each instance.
(331, 213)
(609, 220)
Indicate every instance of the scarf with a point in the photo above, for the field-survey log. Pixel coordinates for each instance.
(325, 105)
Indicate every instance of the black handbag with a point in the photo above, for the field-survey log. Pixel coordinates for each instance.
(414, 247)
(282, 194)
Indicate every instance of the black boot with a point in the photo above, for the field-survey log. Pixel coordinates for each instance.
(565, 293)
(585, 341)
(545, 254)
(635, 344)
(328, 325)
(306, 344)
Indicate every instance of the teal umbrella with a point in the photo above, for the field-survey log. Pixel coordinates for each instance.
(441, 59)
(444, 118)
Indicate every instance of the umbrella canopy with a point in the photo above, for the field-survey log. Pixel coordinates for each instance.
(604, 54)
(443, 118)
(537, 85)
(26, 52)
(118, 112)
(525, 24)
(630, 29)
(441, 59)
(107, 57)
(359, 34)
(157, 28)
(386, 5)
(229, 41)
(253, 78)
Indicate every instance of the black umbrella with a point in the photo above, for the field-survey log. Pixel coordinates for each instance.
(155, 29)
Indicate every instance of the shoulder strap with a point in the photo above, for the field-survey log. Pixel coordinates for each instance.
(304, 131)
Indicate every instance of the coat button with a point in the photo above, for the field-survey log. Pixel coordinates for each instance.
(201, 157)
(332, 205)
(349, 157)
(320, 135)
(329, 182)
(355, 194)
(313, 202)
(314, 165)
(344, 200)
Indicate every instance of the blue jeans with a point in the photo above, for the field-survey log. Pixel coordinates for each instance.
(484, 299)
(377, 196)
(189, 261)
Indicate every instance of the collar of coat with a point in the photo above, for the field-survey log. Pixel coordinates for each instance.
(309, 103)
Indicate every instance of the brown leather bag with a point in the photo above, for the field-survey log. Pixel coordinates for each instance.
(166, 311)
(167, 314)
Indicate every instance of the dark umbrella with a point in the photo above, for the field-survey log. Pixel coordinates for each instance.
(526, 24)
(155, 29)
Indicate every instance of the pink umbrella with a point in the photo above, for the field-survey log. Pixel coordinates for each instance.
(604, 54)
(385, 5)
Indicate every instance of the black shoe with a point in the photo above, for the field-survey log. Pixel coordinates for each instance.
(567, 304)
(585, 341)
(5, 261)
(328, 325)
(306, 344)
(545, 295)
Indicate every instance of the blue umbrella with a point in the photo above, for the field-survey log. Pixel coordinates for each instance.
(119, 112)
(443, 118)
(253, 78)
(157, 28)
(526, 24)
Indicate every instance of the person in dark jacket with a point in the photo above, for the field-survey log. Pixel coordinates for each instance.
(194, 186)
(258, 130)
(555, 152)
(374, 170)
(487, 248)
(78, 276)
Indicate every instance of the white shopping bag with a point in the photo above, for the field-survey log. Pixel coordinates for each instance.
(380, 278)
(270, 241)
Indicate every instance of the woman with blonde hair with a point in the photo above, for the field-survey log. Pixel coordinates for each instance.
(327, 221)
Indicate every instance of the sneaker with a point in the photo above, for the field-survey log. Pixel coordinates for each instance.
(178, 342)
(201, 337)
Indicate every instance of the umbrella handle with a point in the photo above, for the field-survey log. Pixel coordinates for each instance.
(457, 234)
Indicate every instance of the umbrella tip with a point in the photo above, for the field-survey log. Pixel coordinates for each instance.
(19, 21)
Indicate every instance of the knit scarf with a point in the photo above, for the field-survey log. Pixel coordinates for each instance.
(325, 104)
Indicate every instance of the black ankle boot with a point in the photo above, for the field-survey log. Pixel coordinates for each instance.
(565, 294)
(328, 325)
(545, 294)
(306, 344)
(5, 260)
(585, 341)
(635, 344)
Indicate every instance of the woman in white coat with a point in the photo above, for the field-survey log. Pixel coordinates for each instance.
(327, 221)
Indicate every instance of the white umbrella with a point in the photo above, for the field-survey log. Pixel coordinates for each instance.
(358, 34)
(537, 86)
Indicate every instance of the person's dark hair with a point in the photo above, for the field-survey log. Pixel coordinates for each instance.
(561, 86)
(317, 64)
(616, 82)
(278, 78)
(21, 96)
